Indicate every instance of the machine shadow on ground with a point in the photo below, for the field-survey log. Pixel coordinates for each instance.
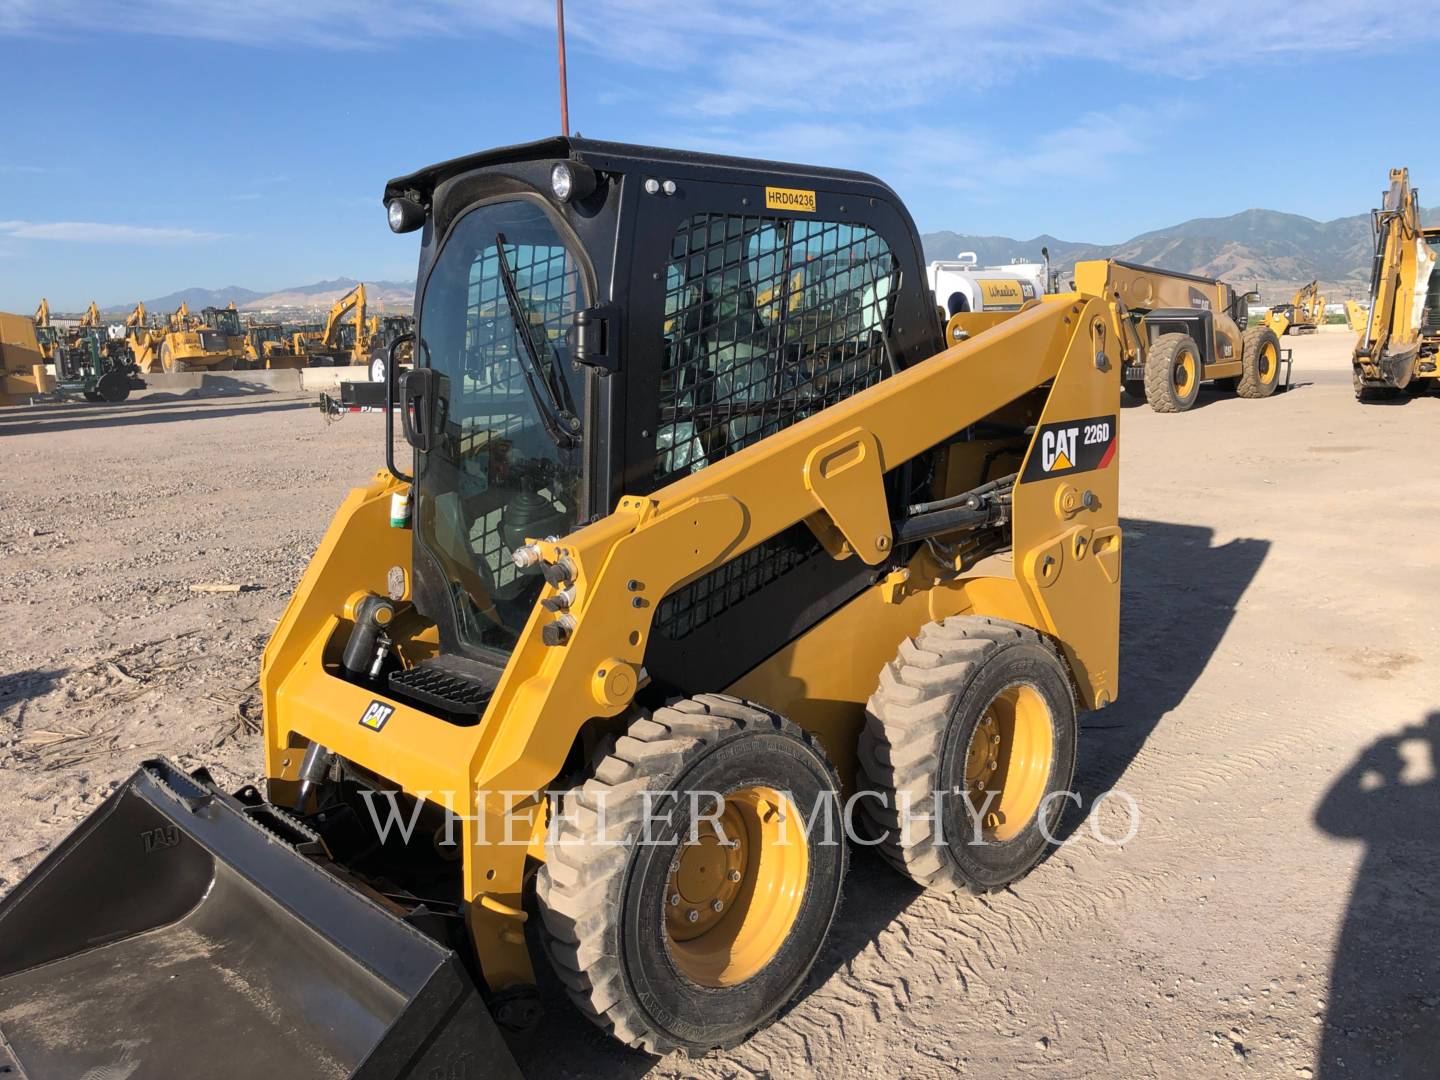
(141, 413)
(1179, 593)
(1383, 1011)
(1209, 395)
(17, 687)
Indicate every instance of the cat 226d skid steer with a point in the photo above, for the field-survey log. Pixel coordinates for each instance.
(672, 593)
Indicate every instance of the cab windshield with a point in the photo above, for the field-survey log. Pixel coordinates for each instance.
(225, 320)
(498, 473)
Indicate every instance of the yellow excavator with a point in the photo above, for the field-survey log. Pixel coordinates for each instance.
(1302, 315)
(662, 607)
(211, 341)
(1397, 350)
(339, 340)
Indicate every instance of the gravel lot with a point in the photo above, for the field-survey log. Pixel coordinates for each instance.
(1274, 914)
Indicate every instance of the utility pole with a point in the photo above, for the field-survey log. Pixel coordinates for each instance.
(564, 91)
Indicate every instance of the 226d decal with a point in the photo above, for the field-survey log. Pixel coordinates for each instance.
(1072, 446)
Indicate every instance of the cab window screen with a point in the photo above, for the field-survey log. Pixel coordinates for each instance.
(767, 320)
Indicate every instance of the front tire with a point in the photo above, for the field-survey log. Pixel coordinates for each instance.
(169, 362)
(673, 938)
(1259, 363)
(982, 711)
(1172, 373)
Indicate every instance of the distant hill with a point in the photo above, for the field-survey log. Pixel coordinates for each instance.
(1277, 251)
(393, 296)
(196, 298)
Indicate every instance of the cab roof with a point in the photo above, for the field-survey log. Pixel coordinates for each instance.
(626, 157)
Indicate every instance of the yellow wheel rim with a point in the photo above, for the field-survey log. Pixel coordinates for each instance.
(731, 899)
(1010, 754)
(1267, 365)
(1184, 373)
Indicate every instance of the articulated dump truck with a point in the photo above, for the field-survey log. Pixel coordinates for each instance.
(668, 594)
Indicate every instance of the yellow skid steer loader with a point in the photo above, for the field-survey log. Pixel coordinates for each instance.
(673, 591)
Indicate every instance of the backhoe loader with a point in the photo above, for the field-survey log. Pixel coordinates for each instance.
(47, 335)
(1398, 348)
(383, 331)
(268, 346)
(211, 341)
(668, 596)
(1356, 317)
(1304, 314)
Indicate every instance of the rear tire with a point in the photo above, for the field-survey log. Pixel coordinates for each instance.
(960, 691)
(664, 971)
(1259, 363)
(1172, 373)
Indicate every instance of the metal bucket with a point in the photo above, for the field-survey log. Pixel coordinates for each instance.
(179, 932)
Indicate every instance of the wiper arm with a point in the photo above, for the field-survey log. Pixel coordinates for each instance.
(562, 425)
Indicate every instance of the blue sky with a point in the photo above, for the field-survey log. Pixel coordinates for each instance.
(173, 143)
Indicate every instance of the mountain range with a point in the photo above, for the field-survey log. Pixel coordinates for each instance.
(1275, 251)
(391, 296)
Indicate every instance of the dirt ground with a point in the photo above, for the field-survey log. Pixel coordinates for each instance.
(1274, 913)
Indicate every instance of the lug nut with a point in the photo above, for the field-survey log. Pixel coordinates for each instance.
(693, 915)
(734, 875)
(718, 905)
(674, 899)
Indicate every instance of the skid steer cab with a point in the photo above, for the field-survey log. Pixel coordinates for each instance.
(704, 557)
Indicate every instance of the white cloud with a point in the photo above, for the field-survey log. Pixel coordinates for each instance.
(934, 156)
(94, 232)
(840, 55)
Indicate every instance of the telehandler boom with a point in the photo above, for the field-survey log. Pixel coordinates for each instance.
(672, 593)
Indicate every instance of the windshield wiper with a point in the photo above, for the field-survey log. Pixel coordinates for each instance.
(555, 406)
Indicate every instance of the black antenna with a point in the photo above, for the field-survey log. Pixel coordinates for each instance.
(564, 92)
